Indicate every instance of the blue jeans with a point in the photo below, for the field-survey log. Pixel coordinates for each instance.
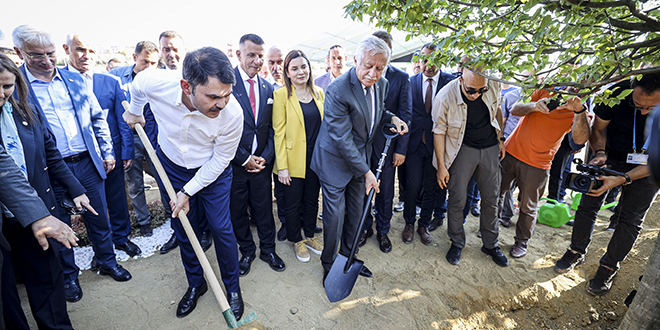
(634, 203)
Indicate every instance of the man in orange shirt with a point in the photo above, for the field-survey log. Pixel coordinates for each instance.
(529, 152)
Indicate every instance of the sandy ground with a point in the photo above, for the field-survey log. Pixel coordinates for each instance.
(413, 287)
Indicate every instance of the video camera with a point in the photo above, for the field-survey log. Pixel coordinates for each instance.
(587, 180)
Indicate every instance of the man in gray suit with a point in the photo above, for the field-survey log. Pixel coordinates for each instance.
(353, 111)
(335, 60)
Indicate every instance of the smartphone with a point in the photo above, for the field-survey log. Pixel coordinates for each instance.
(553, 104)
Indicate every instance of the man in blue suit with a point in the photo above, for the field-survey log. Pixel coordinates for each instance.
(108, 92)
(398, 102)
(83, 138)
(419, 163)
(145, 56)
(254, 158)
(335, 60)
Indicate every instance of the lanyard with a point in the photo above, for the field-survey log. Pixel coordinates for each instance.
(648, 139)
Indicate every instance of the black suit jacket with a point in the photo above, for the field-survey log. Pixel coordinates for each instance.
(422, 121)
(263, 128)
(399, 102)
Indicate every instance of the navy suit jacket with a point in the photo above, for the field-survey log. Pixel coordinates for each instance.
(422, 121)
(89, 114)
(264, 126)
(399, 102)
(343, 146)
(108, 92)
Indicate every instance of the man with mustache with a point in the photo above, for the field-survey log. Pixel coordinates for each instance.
(354, 111)
(254, 158)
(200, 126)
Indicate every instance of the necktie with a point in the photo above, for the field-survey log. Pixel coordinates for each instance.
(370, 105)
(428, 99)
(253, 99)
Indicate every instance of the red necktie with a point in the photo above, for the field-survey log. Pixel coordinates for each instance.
(253, 99)
(428, 99)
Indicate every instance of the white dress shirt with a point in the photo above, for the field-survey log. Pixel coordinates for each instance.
(373, 105)
(425, 84)
(188, 138)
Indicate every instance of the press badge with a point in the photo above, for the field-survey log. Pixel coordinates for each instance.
(639, 159)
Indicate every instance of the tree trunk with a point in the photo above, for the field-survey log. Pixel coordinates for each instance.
(644, 312)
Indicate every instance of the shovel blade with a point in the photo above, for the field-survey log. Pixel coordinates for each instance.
(339, 284)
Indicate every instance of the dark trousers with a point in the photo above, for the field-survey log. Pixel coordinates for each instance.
(302, 195)
(342, 209)
(635, 201)
(98, 226)
(440, 204)
(384, 199)
(256, 188)
(472, 194)
(420, 172)
(213, 202)
(115, 194)
(556, 190)
(134, 178)
(281, 199)
(43, 279)
(401, 174)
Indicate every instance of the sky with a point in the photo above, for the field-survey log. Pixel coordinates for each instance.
(200, 22)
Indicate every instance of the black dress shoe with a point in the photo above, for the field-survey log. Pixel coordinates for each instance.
(364, 271)
(497, 255)
(435, 223)
(206, 241)
(189, 300)
(72, 291)
(475, 210)
(130, 248)
(170, 245)
(273, 260)
(281, 234)
(236, 303)
(325, 275)
(454, 255)
(244, 264)
(94, 266)
(118, 273)
(364, 235)
(384, 243)
(146, 230)
(318, 229)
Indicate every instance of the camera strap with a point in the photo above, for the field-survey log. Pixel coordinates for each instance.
(634, 157)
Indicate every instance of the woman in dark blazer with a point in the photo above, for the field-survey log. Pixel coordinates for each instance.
(297, 115)
(25, 135)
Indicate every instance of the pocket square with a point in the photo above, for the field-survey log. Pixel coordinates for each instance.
(270, 101)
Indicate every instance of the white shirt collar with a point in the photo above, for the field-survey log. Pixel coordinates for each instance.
(245, 77)
(31, 78)
(89, 73)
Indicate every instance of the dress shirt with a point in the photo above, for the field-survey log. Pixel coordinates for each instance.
(56, 103)
(188, 138)
(246, 83)
(88, 76)
(425, 84)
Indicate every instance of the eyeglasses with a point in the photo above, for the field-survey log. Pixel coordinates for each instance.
(40, 56)
(640, 109)
(471, 91)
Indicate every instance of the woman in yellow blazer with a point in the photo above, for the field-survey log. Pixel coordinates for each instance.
(297, 115)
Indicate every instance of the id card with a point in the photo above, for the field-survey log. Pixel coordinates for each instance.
(639, 159)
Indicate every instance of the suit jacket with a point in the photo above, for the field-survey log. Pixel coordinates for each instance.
(324, 80)
(343, 147)
(399, 102)
(125, 74)
(18, 196)
(422, 122)
(91, 120)
(108, 92)
(290, 134)
(263, 128)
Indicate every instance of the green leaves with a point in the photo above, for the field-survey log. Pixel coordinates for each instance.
(510, 36)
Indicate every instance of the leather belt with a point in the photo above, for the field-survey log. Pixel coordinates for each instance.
(77, 157)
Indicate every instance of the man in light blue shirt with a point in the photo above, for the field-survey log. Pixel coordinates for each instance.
(83, 139)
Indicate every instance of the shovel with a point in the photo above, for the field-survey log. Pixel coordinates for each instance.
(206, 266)
(345, 269)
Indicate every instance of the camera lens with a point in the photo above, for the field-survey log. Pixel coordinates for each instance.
(582, 182)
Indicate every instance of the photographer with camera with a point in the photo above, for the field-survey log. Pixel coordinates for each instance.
(529, 154)
(617, 139)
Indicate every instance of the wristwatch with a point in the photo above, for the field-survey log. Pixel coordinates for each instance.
(185, 192)
(502, 138)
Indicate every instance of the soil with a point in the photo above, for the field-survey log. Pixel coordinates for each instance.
(413, 287)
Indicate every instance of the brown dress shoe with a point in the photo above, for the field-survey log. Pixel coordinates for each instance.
(424, 235)
(407, 234)
(519, 250)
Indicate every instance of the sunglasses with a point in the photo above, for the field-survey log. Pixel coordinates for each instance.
(472, 91)
(640, 109)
